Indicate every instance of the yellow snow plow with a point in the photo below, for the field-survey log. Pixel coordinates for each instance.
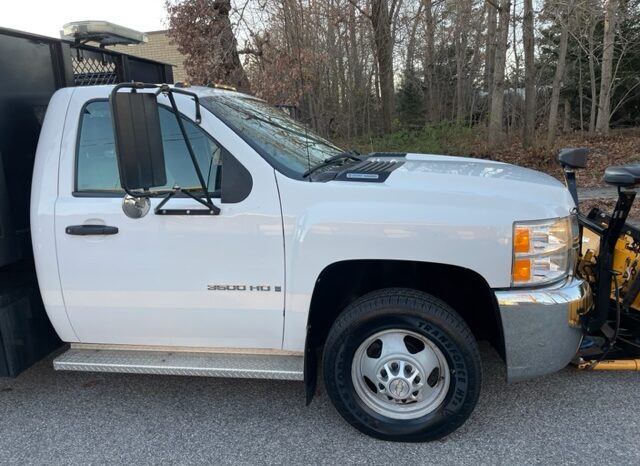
(609, 259)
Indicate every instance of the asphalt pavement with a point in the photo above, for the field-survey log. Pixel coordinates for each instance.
(49, 417)
(603, 192)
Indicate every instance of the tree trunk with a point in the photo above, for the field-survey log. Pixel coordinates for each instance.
(557, 82)
(475, 67)
(513, 104)
(381, 22)
(357, 90)
(490, 53)
(604, 104)
(529, 75)
(229, 45)
(497, 98)
(462, 15)
(566, 121)
(592, 78)
(580, 91)
(429, 61)
(411, 43)
(203, 32)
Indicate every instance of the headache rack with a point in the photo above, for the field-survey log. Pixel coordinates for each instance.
(70, 63)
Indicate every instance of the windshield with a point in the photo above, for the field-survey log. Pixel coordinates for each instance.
(287, 144)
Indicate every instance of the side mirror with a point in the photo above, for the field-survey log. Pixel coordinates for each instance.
(570, 160)
(136, 127)
(574, 158)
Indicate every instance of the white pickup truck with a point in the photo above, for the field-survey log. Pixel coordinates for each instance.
(200, 231)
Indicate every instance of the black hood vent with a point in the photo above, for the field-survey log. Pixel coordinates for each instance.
(375, 170)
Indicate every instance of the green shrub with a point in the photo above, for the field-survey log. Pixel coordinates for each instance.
(442, 139)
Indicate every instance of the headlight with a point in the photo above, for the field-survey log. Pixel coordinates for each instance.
(543, 250)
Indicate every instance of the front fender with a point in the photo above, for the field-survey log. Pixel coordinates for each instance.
(341, 227)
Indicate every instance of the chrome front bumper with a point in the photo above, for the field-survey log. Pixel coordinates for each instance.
(541, 326)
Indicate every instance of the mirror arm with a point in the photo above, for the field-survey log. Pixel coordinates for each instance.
(162, 89)
(132, 85)
(168, 90)
(164, 201)
(187, 141)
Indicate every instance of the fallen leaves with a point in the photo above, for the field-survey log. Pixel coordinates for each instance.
(619, 148)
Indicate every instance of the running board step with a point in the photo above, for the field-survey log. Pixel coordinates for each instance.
(248, 366)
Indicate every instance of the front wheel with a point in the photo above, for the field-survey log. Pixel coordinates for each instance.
(402, 365)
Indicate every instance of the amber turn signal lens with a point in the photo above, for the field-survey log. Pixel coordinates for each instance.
(521, 270)
(521, 240)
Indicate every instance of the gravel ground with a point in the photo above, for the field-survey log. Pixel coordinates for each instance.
(49, 417)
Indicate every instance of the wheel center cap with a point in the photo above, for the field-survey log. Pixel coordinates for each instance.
(399, 388)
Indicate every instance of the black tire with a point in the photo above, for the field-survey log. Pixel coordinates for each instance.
(419, 313)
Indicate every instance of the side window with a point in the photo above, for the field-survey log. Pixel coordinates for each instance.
(97, 166)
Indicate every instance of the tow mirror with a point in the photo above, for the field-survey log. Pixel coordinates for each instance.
(136, 127)
(138, 138)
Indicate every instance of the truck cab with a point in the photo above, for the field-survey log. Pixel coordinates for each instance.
(163, 280)
(260, 249)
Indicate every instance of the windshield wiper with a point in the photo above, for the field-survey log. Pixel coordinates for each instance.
(341, 157)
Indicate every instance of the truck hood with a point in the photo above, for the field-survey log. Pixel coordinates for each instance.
(456, 168)
(424, 178)
(483, 180)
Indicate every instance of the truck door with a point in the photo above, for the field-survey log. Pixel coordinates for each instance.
(171, 280)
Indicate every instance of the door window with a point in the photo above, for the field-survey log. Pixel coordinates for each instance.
(97, 166)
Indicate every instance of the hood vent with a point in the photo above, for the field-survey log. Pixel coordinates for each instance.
(372, 171)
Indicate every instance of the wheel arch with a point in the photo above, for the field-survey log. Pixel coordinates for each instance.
(341, 283)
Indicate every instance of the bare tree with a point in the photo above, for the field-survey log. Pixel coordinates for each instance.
(463, 16)
(497, 98)
(411, 41)
(490, 48)
(558, 76)
(529, 75)
(381, 22)
(592, 74)
(429, 58)
(337, 62)
(606, 81)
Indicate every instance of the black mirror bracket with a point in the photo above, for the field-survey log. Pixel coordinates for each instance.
(211, 209)
(570, 178)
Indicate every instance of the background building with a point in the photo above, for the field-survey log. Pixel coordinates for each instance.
(159, 48)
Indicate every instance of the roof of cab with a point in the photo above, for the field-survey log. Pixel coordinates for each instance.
(105, 90)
